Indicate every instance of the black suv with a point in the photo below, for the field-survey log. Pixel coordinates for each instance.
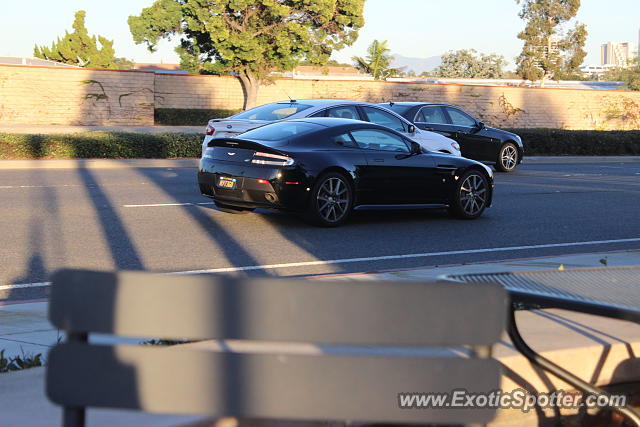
(477, 141)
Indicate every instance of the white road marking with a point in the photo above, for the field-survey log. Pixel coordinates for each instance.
(155, 205)
(406, 256)
(24, 285)
(365, 259)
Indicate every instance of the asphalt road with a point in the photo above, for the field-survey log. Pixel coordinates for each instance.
(102, 219)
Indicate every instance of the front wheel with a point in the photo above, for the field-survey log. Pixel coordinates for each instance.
(507, 158)
(330, 201)
(471, 195)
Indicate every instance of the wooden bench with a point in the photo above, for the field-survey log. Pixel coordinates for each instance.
(404, 319)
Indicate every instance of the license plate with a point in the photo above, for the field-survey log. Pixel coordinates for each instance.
(224, 182)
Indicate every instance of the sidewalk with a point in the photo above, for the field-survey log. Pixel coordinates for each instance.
(601, 344)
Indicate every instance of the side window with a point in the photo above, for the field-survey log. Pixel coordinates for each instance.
(345, 112)
(375, 139)
(321, 113)
(383, 118)
(345, 140)
(459, 118)
(431, 115)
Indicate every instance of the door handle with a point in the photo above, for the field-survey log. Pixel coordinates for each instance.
(429, 129)
(379, 160)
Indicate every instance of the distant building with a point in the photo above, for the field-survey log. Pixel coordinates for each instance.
(616, 54)
(545, 50)
(159, 68)
(596, 70)
(19, 60)
(325, 73)
(561, 84)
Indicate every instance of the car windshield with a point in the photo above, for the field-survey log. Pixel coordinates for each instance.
(281, 130)
(272, 112)
(396, 108)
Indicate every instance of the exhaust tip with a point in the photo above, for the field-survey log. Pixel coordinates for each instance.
(270, 197)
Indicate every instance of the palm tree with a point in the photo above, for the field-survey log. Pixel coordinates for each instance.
(377, 62)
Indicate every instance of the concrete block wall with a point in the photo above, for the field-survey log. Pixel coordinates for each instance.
(502, 106)
(103, 97)
(75, 96)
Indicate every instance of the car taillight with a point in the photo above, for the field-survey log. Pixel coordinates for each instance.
(209, 130)
(260, 158)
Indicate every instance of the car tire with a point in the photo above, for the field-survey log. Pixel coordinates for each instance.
(232, 209)
(508, 158)
(471, 195)
(331, 200)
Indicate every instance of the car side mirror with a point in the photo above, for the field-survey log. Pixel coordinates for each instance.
(480, 125)
(416, 148)
(412, 129)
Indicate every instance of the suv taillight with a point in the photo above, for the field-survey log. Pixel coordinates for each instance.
(209, 130)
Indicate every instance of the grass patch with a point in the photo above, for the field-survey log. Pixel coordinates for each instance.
(560, 142)
(18, 363)
(100, 145)
(188, 116)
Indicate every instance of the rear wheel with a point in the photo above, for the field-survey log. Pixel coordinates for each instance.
(507, 158)
(232, 209)
(331, 200)
(471, 195)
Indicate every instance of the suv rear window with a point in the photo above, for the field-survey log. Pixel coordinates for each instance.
(397, 108)
(272, 112)
(281, 130)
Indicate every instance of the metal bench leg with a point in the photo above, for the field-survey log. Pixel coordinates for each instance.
(73, 417)
(563, 374)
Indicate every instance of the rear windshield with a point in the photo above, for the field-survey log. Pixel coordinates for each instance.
(272, 112)
(281, 130)
(397, 108)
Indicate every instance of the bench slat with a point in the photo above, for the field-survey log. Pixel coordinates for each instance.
(324, 312)
(302, 387)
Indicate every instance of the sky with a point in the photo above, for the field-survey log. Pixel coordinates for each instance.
(413, 28)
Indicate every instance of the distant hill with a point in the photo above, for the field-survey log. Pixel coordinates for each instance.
(419, 65)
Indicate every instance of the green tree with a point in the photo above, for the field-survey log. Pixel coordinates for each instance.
(548, 52)
(630, 75)
(250, 38)
(378, 61)
(79, 48)
(470, 64)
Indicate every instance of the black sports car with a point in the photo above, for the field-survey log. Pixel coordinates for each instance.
(327, 167)
(477, 141)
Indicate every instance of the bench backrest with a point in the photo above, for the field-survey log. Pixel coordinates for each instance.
(345, 383)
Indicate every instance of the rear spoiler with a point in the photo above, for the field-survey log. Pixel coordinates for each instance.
(244, 144)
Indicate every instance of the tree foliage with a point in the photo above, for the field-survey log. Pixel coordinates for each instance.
(548, 51)
(630, 75)
(378, 61)
(79, 48)
(250, 38)
(471, 64)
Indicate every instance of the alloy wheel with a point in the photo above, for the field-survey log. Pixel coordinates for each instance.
(509, 157)
(473, 194)
(333, 199)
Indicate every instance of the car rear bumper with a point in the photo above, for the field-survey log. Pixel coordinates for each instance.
(256, 186)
